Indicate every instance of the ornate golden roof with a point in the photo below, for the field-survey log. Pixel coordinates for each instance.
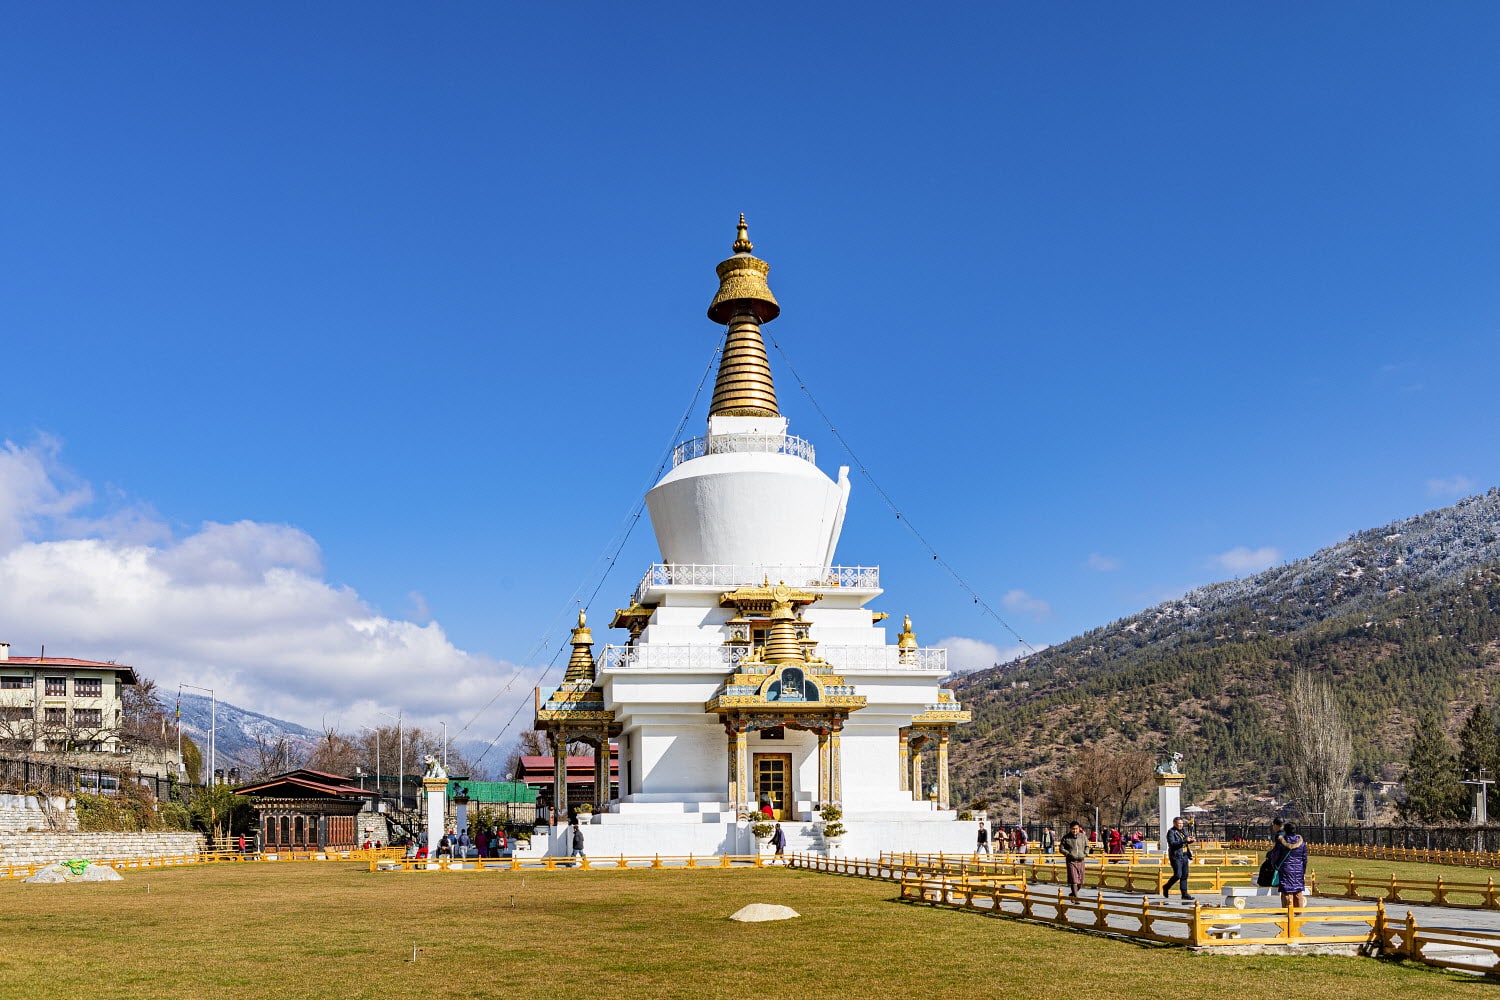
(764, 597)
(744, 387)
(788, 690)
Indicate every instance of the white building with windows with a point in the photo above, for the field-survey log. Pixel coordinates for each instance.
(756, 674)
(59, 704)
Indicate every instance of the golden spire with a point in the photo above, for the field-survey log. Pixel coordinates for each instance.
(581, 663)
(742, 242)
(906, 642)
(744, 301)
(782, 644)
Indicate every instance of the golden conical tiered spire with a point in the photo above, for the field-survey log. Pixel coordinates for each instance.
(581, 663)
(744, 387)
(782, 644)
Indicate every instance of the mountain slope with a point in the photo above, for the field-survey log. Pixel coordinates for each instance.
(1399, 618)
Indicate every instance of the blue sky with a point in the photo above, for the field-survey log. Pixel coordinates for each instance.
(1114, 300)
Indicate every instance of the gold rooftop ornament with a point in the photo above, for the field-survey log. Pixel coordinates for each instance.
(581, 663)
(744, 301)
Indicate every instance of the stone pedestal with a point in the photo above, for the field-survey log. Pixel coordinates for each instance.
(1169, 803)
(437, 811)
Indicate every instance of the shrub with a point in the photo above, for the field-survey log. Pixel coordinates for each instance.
(174, 816)
(832, 814)
(98, 814)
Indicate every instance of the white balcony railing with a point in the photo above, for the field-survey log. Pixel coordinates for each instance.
(725, 659)
(724, 444)
(882, 659)
(722, 575)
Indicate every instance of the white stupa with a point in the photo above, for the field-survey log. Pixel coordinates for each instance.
(755, 675)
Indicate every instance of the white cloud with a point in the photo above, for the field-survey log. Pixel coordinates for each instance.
(1102, 563)
(1453, 486)
(1245, 560)
(966, 655)
(242, 608)
(1019, 600)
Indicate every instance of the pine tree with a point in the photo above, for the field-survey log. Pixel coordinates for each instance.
(1478, 744)
(1433, 793)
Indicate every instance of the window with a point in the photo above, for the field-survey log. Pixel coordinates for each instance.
(87, 687)
(88, 716)
(15, 683)
(57, 717)
(57, 686)
(14, 713)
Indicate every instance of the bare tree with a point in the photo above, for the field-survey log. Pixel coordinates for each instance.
(1319, 750)
(273, 755)
(335, 753)
(1124, 778)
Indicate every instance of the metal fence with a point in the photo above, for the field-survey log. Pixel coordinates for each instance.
(34, 774)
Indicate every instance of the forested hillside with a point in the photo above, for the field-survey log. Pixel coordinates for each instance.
(1400, 619)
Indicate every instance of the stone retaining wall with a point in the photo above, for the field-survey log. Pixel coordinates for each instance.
(19, 813)
(46, 848)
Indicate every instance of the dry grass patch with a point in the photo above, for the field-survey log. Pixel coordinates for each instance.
(271, 931)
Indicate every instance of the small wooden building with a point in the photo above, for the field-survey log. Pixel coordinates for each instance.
(306, 810)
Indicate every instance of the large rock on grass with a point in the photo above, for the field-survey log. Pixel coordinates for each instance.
(758, 912)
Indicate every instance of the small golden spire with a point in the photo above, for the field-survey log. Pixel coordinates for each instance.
(782, 644)
(906, 642)
(581, 663)
(742, 242)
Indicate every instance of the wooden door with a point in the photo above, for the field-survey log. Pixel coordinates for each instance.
(773, 783)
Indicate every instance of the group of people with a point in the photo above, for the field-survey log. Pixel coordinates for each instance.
(1014, 840)
(1285, 866)
(458, 844)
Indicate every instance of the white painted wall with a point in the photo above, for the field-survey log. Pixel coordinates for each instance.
(747, 508)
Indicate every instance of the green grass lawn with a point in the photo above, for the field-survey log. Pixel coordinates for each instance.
(336, 930)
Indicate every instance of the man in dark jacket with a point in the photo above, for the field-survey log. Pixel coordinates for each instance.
(1075, 850)
(1180, 855)
(577, 840)
(778, 840)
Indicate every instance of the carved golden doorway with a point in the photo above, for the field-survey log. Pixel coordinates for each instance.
(773, 783)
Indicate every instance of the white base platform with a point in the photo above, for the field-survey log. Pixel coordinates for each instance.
(614, 834)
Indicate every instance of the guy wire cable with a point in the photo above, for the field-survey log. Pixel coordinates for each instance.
(626, 529)
(957, 578)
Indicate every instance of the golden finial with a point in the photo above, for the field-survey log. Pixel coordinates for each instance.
(742, 242)
(744, 387)
(581, 663)
(906, 642)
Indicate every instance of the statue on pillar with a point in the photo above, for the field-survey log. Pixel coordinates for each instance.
(435, 769)
(1171, 765)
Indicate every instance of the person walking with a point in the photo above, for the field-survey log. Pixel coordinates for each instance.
(1293, 868)
(1075, 850)
(1049, 840)
(983, 847)
(778, 841)
(577, 840)
(1180, 854)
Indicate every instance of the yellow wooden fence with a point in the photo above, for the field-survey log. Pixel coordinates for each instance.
(583, 863)
(1197, 926)
(1430, 892)
(212, 858)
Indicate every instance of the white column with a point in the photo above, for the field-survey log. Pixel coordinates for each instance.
(1168, 802)
(437, 810)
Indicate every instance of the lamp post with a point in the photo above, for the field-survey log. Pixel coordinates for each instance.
(1020, 796)
(445, 745)
(213, 728)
